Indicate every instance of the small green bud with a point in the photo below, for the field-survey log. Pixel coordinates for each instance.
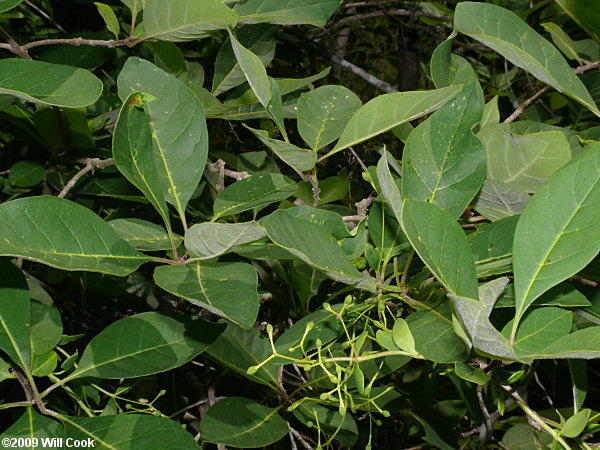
(385, 413)
(378, 422)
(342, 409)
(324, 396)
(252, 370)
(310, 325)
(348, 300)
(333, 379)
(319, 342)
(269, 329)
(310, 424)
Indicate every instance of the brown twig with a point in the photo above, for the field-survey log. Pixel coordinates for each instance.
(336, 59)
(91, 164)
(13, 46)
(535, 97)
(219, 167)
(80, 41)
(361, 210)
(391, 12)
(315, 189)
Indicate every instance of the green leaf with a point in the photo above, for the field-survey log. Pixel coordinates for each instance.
(492, 246)
(434, 334)
(275, 108)
(15, 314)
(474, 317)
(505, 32)
(144, 235)
(179, 133)
(562, 40)
(32, 424)
(129, 432)
(225, 289)
(583, 344)
(585, 12)
(523, 162)
(63, 234)
(239, 349)
(49, 84)
(260, 40)
(540, 328)
(26, 173)
(332, 189)
(299, 159)
(390, 190)
(551, 244)
(329, 421)
(135, 154)
(208, 240)
(239, 422)
(144, 344)
(287, 12)
(46, 327)
(470, 373)
(402, 336)
(168, 57)
(443, 162)
(525, 437)
(563, 295)
(491, 114)
(388, 111)
(314, 246)
(5, 5)
(575, 424)
(325, 327)
(109, 17)
(253, 69)
(253, 192)
(498, 200)
(185, 20)
(442, 245)
(323, 114)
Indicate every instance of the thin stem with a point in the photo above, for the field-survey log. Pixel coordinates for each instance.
(17, 404)
(90, 165)
(535, 97)
(535, 416)
(133, 16)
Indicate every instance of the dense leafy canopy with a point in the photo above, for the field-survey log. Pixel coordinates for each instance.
(300, 223)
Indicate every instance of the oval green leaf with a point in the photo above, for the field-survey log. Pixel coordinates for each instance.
(287, 12)
(15, 314)
(144, 235)
(299, 159)
(315, 246)
(209, 239)
(253, 69)
(63, 234)
(553, 243)
(179, 134)
(50, 84)
(323, 114)
(128, 432)
(506, 33)
(253, 192)
(225, 289)
(239, 422)
(388, 111)
(144, 344)
(185, 20)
